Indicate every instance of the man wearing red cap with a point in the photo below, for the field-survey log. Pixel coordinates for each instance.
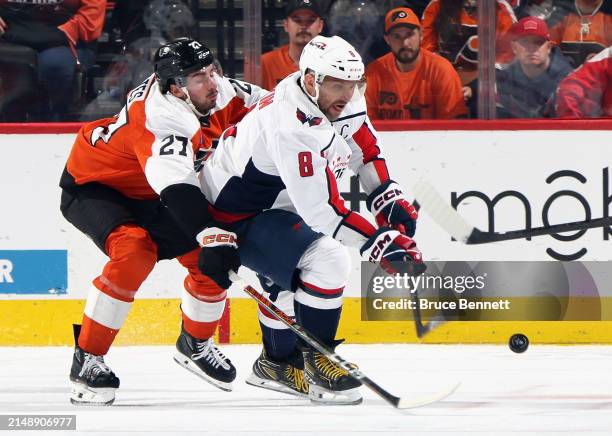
(525, 89)
(411, 82)
(303, 23)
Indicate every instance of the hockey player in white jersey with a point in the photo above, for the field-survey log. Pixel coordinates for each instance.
(272, 180)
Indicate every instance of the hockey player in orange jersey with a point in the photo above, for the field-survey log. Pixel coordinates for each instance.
(131, 185)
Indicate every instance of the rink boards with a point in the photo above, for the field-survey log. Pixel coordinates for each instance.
(514, 178)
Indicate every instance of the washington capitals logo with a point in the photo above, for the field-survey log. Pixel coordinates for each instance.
(312, 121)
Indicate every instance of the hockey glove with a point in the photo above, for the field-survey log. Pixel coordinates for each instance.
(388, 245)
(219, 255)
(391, 209)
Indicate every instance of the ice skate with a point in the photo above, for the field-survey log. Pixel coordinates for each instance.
(93, 382)
(203, 358)
(278, 376)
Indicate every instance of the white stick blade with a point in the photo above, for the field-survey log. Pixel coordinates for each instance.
(413, 403)
(441, 212)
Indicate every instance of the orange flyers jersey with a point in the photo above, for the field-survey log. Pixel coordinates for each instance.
(581, 35)
(462, 51)
(155, 140)
(275, 66)
(431, 90)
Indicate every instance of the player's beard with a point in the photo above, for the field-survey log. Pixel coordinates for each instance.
(209, 102)
(407, 56)
(336, 111)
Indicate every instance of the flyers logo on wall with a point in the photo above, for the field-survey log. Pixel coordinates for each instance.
(33, 271)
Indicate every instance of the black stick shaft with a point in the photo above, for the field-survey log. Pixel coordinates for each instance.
(480, 237)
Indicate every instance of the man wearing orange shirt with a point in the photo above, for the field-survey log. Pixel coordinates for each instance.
(410, 82)
(303, 23)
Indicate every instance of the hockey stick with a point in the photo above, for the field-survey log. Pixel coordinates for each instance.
(421, 328)
(456, 226)
(353, 371)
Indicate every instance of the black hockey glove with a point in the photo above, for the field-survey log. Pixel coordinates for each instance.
(219, 255)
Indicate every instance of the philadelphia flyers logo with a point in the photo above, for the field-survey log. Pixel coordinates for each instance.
(387, 97)
(398, 15)
(463, 47)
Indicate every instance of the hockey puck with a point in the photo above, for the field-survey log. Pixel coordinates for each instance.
(518, 343)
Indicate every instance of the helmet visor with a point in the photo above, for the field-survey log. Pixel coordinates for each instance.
(351, 90)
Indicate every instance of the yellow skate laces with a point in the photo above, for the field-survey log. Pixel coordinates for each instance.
(296, 376)
(328, 368)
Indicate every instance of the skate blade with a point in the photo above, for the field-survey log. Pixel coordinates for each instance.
(186, 363)
(83, 395)
(272, 385)
(322, 396)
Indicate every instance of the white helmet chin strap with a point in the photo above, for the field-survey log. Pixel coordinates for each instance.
(190, 103)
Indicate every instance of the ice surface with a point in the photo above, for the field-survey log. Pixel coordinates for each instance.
(547, 390)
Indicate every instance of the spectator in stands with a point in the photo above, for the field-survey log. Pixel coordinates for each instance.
(587, 92)
(359, 21)
(584, 29)
(302, 23)
(410, 82)
(450, 28)
(526, 88)
(63, 34)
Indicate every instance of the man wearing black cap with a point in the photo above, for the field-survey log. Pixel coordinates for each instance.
(303, 23)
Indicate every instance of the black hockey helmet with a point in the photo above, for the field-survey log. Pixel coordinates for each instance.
(174, 61)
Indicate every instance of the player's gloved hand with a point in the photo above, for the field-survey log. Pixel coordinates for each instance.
(270, 287)
(388, 245)
(391, 209)
(219, 255)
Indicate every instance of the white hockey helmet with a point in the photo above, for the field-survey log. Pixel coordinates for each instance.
(332, 57)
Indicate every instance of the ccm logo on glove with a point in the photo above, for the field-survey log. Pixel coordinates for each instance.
(214, 237)
(219, 239)
(383, 199)
(379, 248)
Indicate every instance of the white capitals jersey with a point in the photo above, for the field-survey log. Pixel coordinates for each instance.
(285, 154)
